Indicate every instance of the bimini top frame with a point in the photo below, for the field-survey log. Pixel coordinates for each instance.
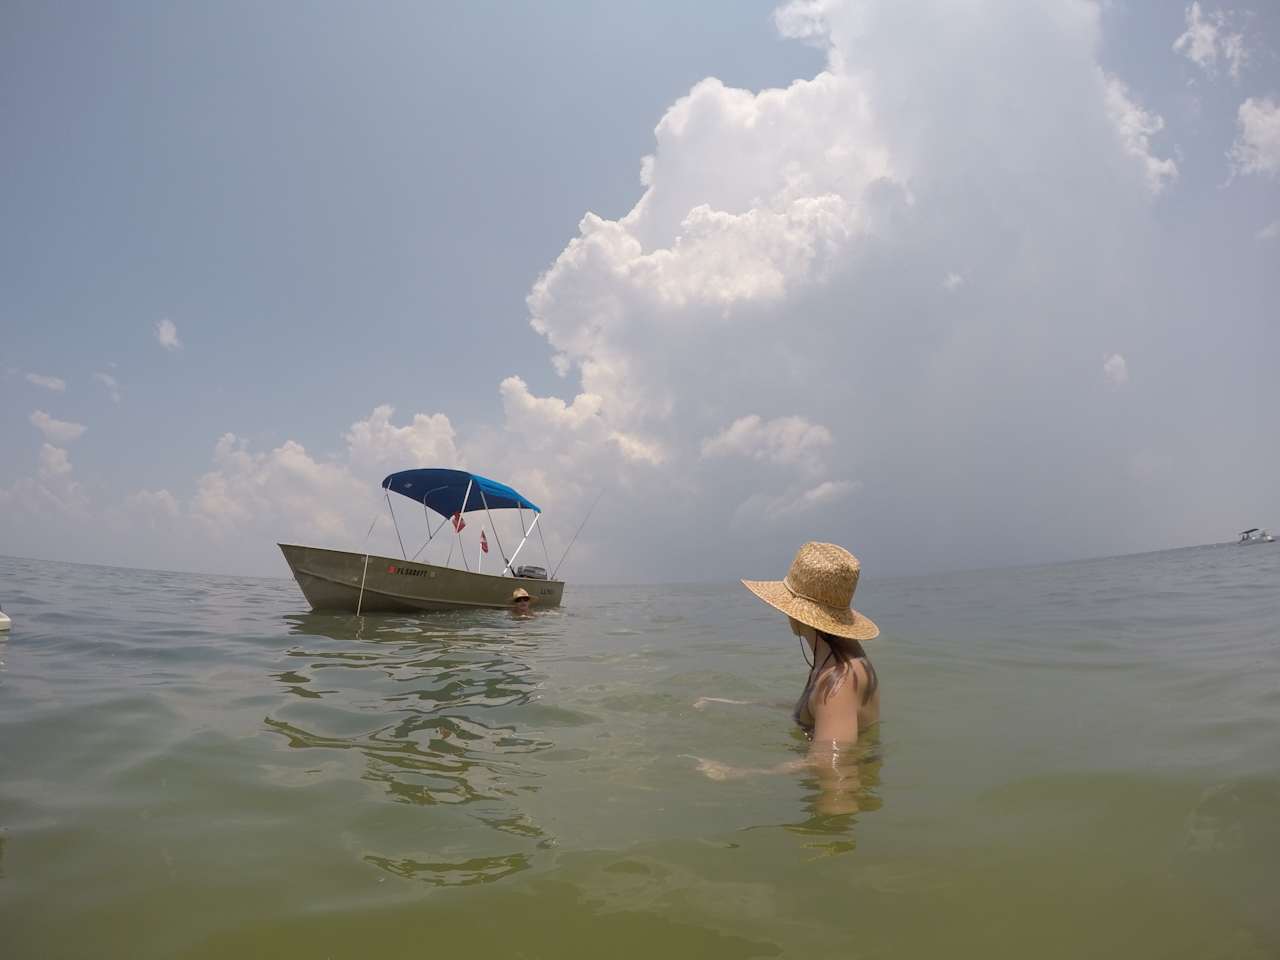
(456, 491)
(451, 493)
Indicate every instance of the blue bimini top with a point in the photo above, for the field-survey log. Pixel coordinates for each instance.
(443, 491)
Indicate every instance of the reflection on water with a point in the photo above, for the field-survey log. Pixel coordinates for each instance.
(462, 874)
(432, 706)
(841, 787)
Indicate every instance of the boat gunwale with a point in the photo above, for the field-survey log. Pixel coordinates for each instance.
(411, 563)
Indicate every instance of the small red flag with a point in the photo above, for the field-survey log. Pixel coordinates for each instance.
(458, 522)
(484, 543)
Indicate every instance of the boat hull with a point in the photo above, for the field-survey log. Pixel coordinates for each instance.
(331, 580)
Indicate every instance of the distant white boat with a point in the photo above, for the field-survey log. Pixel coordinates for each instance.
(1255, 535)
(5, 622)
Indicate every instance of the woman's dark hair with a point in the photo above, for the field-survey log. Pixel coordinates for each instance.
(844, 651)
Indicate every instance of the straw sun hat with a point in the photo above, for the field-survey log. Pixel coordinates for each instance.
(818, 591)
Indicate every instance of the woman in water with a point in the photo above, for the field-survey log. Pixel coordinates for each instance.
(842, 693)
(841, 696)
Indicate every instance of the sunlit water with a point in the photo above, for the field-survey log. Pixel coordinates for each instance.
(1075, 760)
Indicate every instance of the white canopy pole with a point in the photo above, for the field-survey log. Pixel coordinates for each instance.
(427, 515)
(485, 501)
(396, 525)
(461, 510)
(536, 518)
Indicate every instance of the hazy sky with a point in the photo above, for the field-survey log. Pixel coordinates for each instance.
(952, 284)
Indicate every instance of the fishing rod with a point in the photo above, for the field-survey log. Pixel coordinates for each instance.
(575, 536)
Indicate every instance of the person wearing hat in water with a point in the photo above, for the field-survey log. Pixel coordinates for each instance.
(842, 693)
(520, 602)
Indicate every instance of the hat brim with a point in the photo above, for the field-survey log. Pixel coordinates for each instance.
(849, 623)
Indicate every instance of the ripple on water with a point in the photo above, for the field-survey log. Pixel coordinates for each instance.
(439, 738)
(316, 782)
(1231, 843)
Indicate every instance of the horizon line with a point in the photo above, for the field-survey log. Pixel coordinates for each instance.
(950, 571)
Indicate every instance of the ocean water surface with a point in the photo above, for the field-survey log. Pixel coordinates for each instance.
(1075, 760)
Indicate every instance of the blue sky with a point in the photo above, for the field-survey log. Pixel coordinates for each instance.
(333, 207)
(955, 286)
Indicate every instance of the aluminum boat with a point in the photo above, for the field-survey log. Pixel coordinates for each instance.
(341, 580)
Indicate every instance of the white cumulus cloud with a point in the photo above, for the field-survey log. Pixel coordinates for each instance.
(1257, 145)
(1136, 127)
(288, 493)
(579, 426)
(783, 256)
(791, 503)
(111, 383)
(57, 431)
(427, 440)
(1209, 40)
(54, 462)
(56, 384)
(1270, 231)
(1115, 369)
(155, 508)
(286, 488)
(53, 488)
(787, 440)
(167, 334)
(778, 246)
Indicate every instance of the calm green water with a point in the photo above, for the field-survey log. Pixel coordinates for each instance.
(1076, 760)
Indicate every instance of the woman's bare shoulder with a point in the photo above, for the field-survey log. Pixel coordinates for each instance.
(835, 712)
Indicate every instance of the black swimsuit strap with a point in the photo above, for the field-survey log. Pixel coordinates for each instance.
(802, 705)
(817, 671)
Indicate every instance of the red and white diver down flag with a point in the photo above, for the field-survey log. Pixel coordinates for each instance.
(484, 543)
(458, 522)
